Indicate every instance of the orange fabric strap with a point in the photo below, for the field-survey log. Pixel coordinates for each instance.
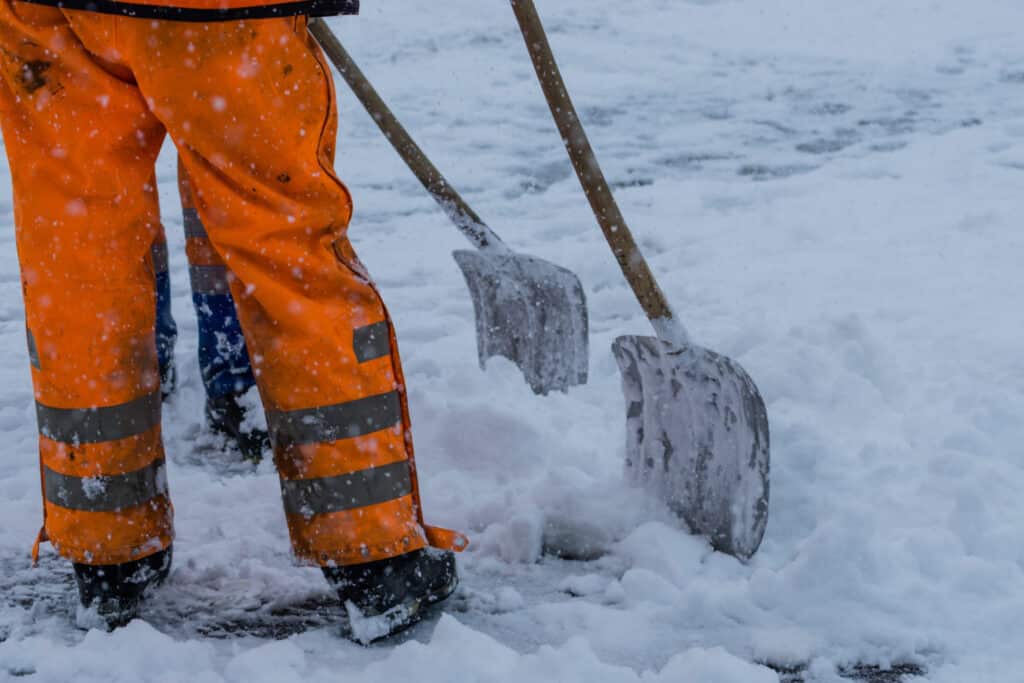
(446, 539)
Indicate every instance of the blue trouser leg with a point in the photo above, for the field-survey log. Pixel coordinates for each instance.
(166, 329)
(223, 358)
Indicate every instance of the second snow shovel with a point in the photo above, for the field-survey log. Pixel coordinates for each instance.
(697, 427)
(528, 310)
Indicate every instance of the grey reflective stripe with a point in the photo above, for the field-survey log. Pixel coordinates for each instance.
(309, 497)
(160, 262)
(332, 423)
(33, 351)
(96, 425)
(209, 279)
(372, 341)
(106, 493)
(193, 226)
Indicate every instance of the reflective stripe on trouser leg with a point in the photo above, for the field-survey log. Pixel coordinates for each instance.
(223, 356)
(107, 518)
(371, 342)
(345, 479)
(104, 480)
(129, 508)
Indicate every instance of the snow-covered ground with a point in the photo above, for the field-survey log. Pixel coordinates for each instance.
(830, 192)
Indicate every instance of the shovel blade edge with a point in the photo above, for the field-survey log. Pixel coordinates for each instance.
(697, 436)
(532, 312)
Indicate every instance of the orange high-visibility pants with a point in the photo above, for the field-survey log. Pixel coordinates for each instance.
(85, 103)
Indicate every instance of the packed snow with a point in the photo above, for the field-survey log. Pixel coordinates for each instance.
(829, 192)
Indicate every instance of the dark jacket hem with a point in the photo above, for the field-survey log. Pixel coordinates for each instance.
(313, 8)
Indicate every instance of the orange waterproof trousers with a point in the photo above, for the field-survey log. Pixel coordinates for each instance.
(85, 103)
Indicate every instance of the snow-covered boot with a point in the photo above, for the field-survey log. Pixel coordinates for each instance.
(112, 592)
(226, 416)
(387, 596)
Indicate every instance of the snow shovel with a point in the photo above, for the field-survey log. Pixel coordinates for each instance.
(528, 310)
(696, 426)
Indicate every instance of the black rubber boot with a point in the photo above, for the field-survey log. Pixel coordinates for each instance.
(114, 591)
(388, 596)
(225, 415)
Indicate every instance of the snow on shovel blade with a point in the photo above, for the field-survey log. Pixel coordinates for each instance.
(697, 436)
(530, 311)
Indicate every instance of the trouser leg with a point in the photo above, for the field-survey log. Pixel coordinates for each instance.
(82, 146)
(166, 328)
(223, 357)
(250, 107)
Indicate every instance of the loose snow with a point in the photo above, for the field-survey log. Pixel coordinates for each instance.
(829, 192)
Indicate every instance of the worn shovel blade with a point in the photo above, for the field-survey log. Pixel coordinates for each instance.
(697, 436)
(532, 312)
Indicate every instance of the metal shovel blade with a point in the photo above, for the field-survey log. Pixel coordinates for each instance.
(697, 436)
(530, 311)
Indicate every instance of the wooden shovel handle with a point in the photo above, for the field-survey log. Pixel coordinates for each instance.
(465, 219)
(619, 237)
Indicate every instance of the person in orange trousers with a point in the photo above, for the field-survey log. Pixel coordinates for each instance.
(87, 97)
